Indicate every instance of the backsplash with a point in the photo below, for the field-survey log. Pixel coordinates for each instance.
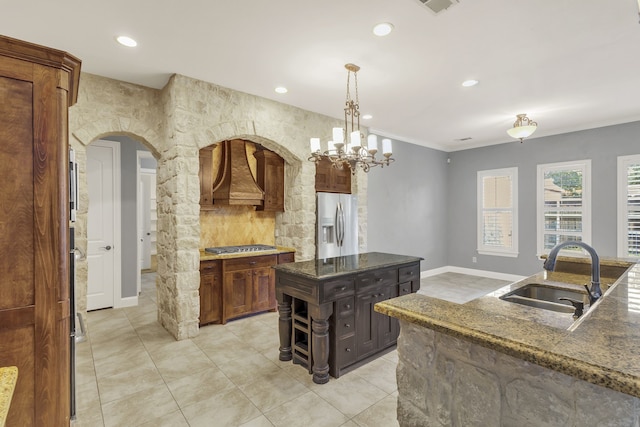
(236, 225)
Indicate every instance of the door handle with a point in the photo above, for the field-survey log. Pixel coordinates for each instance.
(106, 247)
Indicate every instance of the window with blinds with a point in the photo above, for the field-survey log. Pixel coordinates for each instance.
(564, 204)
(629, 206)
(497, 212)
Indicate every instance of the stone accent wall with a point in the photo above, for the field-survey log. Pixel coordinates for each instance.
(445, 381)
(174, 123)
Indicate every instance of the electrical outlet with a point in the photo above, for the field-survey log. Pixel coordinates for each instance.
(474, 259)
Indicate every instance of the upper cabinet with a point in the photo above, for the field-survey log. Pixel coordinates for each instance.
(332, 180)
(239, 172)
(270, 177)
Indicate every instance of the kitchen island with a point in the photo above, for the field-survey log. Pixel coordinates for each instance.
(493, 362)
(326, 318)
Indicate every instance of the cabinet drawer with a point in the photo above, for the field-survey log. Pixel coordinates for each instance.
(377, 278)
(210, 267)
(404, 288)
(345, 307)
(346, 351)
(247, 263)
(286, 257)
(406, 274)
(337, 289)
(345, 326)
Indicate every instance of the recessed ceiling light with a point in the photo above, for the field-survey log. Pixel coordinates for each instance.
(469, 83)
(281, 89)
(367, 117)
(383, 29)
(126, 41)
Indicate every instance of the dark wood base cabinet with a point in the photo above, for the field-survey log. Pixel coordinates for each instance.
(327, 321)
(236, 287)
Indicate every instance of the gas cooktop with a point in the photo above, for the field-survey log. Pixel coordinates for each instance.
(239, 249)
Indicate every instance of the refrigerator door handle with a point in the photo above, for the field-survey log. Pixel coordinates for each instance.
(342, 225)
(337, 224)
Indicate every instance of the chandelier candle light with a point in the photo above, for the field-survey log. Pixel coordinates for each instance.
(346, 145)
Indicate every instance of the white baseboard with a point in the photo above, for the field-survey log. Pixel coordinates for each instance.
(472, 272)
(127, 302)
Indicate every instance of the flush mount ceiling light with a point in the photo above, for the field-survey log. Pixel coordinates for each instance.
(469, 83)
(367, 117)
(383, 29)
(126, 41)
(522, 128)
(281, 89)
(346, 147)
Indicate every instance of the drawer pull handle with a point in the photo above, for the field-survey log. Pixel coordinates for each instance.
(346, 325)
(379, 279)
(347, 306)
(252, 262)
(348, 350)
(342, 288)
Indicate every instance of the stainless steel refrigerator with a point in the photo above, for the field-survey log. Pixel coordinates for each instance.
(337, 233)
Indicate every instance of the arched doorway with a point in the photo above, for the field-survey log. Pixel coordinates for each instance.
(132, 157)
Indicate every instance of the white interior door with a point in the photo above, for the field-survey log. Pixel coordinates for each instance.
(149, 217)
(103, 225)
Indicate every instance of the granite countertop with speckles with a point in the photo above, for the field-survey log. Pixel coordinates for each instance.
(207, 256)
(601, 347)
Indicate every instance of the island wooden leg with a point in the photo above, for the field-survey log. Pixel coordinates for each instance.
(284, 326)
(320, 342)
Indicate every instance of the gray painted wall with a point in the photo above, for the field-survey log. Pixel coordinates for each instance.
(128, 194)
(407, 205)
(601, 145)
(423, 206)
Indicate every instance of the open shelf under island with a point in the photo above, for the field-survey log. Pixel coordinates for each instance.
(326, 318)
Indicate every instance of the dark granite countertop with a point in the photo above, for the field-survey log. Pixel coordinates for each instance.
(602, 347)
(340, 266)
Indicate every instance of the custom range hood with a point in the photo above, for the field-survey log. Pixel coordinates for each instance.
(236, 186)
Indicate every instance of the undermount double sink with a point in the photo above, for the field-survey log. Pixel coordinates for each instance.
(555, 292)
(547, 297)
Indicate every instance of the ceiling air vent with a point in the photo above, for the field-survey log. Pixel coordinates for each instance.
(438, 6)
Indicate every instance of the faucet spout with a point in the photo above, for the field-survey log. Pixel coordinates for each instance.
(550, 264)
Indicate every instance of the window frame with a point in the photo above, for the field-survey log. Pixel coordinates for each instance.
(482, 249)
(622, 216)
(585, 166)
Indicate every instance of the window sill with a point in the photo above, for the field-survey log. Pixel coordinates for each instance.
(498, 253)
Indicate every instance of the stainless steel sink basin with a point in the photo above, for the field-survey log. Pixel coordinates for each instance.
(545, 297)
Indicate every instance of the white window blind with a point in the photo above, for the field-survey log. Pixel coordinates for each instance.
(497, 212)
(629, 206)
(564, 204)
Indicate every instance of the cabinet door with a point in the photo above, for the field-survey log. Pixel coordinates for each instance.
(210, 292)
(271, 180)
(205, 174)
(387, 326)
(263, 292)
(366, 334)
(237, 293)
(341, 180)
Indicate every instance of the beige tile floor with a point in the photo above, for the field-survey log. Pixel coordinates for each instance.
(131, 372)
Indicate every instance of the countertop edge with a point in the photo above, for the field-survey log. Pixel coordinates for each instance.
(594, 374)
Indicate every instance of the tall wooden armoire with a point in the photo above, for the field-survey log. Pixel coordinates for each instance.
(37, 85)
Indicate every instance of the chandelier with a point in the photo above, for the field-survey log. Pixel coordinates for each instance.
(346, 146)
(522, 128)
